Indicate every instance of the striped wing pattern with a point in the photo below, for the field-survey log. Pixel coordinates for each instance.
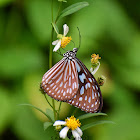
(61, 82)
(88, 97)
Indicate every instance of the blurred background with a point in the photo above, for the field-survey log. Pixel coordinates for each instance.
(110, 28)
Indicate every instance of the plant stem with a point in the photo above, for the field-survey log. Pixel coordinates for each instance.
(50, 57)
(59, 110)
(58, 11)
(48, 101)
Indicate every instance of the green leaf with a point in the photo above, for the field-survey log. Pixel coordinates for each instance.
(55, 28)
(47, 124)
(85, 116)
(38, 110)
(72, 9)
(87, 126)
(50, 113)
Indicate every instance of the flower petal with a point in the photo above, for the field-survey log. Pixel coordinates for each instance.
(57, 46)
(63, 132)
(76, 135)
(59, 123)
(79, 131)
(95, 70)
(55, 42)
(65, 29)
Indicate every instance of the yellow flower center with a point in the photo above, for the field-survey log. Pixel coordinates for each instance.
(94, 59)
(65, 41)
(72, 123)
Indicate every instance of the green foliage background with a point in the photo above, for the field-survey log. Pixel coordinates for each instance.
(110, 28)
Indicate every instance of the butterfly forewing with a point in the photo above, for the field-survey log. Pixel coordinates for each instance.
(61, 82)
(88, 97)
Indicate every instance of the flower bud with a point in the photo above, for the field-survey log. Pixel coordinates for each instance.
(101, 80)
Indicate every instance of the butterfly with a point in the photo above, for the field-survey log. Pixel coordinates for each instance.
(70, 81)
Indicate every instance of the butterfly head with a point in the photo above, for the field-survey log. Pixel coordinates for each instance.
(70, 54)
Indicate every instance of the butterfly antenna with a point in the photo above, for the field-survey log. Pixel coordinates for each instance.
(73, 43)
(79, 39)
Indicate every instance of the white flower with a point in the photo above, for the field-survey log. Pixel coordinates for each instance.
(62, 39)
(70, 123)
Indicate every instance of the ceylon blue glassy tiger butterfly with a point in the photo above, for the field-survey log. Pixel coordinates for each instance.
(70, 81)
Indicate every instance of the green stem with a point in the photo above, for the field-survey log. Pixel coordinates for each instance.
(48, 101)
(51, 45)
(59, 110)
(50, 58)
(58, 11)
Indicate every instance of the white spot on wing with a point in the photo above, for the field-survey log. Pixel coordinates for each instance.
(78, 67)
(69, 81)
(73, 85)
(68, 90)
(72, 76)
(65, 85)
(54, 87)
(51, 84)
(96, 87)
(89, 99)
(90, 80)
(92, 94)
(82, 90)
(93, 87)
(80, 99)
(82, 77)
(85, 98)
(88, 85)
(93, 79)
(61, 84)
(98, 94)
(64, 93)
(95, 94)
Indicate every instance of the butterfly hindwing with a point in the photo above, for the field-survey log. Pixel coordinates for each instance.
(88, 97)
(61, 82)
